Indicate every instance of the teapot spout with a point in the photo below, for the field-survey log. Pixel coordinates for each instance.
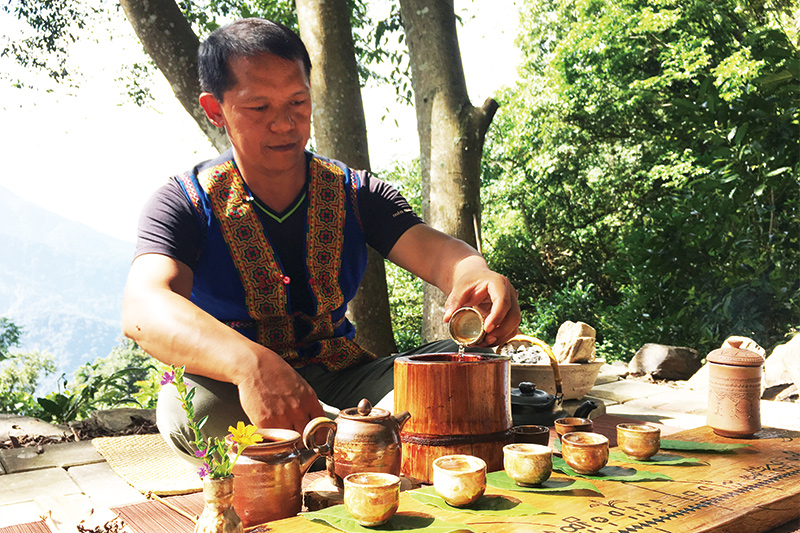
(307, 458)
(401, 418)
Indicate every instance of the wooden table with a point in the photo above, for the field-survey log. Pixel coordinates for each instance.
(750, 490)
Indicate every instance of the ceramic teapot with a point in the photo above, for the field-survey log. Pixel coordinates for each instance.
(532, 406)
(268, 477)
(361, 439)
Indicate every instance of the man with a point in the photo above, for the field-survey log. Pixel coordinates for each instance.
(245, 265)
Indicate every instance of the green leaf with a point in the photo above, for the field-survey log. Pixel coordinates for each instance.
(338, 517)
(485, 505)
(500, 480)
(701, 446)
(778, 171)
(658, 459)
(611, 473)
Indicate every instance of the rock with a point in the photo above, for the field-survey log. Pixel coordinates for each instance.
(665, 362)
(782, 367)
(699, 381)
(19, 426)
(575, 343)
(744, 343)
(118, 420)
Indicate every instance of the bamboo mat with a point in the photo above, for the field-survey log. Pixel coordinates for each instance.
(160, 516)
(32, 527)
(147, 464)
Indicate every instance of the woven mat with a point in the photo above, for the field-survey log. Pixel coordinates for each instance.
(147, 464)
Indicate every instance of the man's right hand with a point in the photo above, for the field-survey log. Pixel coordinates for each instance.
(273, 395)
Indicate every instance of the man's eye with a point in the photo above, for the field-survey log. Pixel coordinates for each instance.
(259, 108)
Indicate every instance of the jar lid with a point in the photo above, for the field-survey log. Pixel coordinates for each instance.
(735, 357)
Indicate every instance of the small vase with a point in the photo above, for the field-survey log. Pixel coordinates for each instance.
(218, 514)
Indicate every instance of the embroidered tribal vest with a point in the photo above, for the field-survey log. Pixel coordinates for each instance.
(239, 279)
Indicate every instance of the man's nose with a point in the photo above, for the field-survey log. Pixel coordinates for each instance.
(282, 122)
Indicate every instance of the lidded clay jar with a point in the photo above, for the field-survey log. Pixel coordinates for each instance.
(734, 392)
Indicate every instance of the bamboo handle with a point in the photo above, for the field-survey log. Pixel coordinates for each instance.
(549, 351)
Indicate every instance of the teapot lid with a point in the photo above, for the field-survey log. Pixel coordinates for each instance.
(365, 412)
(735, 357)
(528, 394)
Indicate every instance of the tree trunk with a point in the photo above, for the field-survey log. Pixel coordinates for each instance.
(451, 132)
(340, 132)
(169, 40)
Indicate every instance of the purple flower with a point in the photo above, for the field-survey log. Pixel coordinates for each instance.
(204, 470)
(200, 453)
(168, 377)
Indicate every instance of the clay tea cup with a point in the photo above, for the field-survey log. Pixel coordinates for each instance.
(528, 464)
(371, 498)
(531, 434)
(584, 452)
(572, 423)
(638, 441)
(459, 479)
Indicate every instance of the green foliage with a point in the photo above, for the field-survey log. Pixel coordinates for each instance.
(127, 355)
(405, 290)
(49, 28)
(643, 177)
(127, 376)
(9, 337)
(19, 375)
(76, 402)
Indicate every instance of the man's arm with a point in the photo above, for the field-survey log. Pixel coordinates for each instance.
(159, 316)
(460, 272)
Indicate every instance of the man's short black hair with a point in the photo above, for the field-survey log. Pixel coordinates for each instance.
(244, 38)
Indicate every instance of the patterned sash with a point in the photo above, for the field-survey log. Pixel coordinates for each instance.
(265, 284)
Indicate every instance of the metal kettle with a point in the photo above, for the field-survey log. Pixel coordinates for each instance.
(532, 406)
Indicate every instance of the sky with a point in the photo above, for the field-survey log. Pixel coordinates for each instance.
(90, 155)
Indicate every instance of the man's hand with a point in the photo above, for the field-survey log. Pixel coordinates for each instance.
(273, 395)
(494, 296)
(461, 273)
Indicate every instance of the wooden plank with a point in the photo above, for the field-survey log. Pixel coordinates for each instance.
(748, 491)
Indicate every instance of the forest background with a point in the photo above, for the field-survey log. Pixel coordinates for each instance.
(642, 176)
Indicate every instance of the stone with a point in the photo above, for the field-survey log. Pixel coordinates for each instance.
(699, 381)
(744, 343)
(118, 420)
(575, 343)
(47, 456)
(782, 367)
(20, 426)
(665, 362)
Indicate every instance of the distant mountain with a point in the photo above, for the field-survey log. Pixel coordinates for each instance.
(60, 281)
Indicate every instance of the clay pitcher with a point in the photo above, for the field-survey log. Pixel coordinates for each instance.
(268, 477)
(361, 439)
(734, 392)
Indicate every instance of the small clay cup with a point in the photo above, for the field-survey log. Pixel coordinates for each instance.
(584, 452)
(572, 423)
(459, 479)
(528, 464)
(638, 441)
(371, 498)
(531, 434)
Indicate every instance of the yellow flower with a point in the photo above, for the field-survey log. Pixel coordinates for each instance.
(244, 435)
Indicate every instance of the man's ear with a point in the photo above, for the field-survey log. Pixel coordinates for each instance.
(213, 109)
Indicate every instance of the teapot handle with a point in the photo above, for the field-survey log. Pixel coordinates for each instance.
(310, 432)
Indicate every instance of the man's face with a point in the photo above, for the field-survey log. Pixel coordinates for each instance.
(267, 112)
